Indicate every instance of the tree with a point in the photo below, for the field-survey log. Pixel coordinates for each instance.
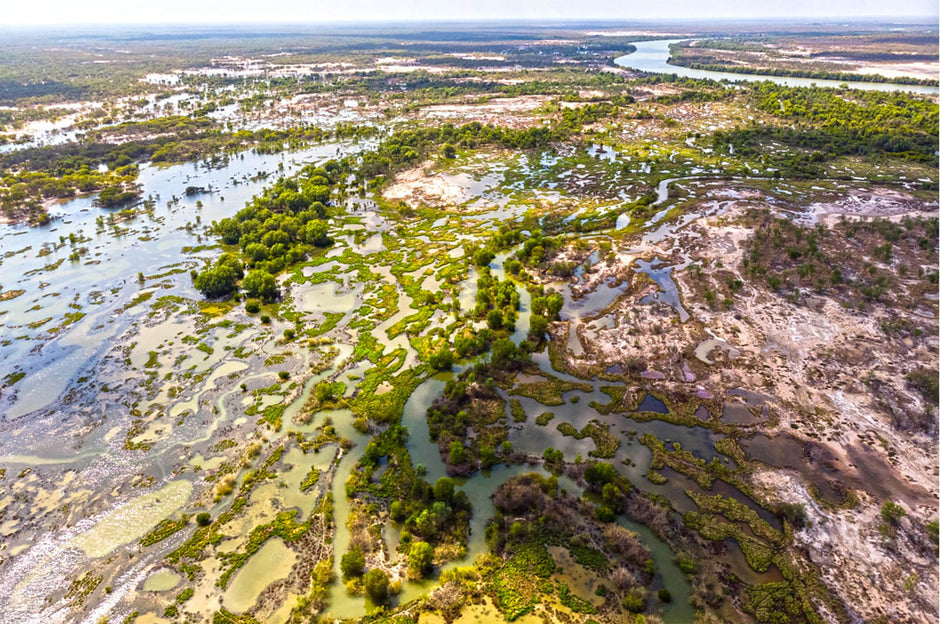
(506, 356)
(458, 454)
(494, 319)
(352, 564)
(443, 359)
(233, 261)
(115, 195)
(261, 284)
(376, 584)
(538, 325)
(216, 282)
(257, 252)
(420, 558)
(794, 513)
(553, 303)
(483, 257)
(892, 512)
(600, 473)
(612, 497)
(317, 233)
(397, 511)
(444, 489)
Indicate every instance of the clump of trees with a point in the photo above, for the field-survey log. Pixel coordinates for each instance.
(472, 400)
(430, 516)
(497, 301)
(546, 307)
(275, 231)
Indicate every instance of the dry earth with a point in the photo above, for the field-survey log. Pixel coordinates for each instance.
(821, 363)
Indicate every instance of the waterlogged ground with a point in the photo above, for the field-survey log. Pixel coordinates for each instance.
(138, 405)
(164, 458)
(137, 412)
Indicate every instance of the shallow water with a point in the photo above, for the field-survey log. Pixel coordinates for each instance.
(668, 292)
(104, 280)
(155, 244)
(679, 611)
(162, 580)
(271, 563)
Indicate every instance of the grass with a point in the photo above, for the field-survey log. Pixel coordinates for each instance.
(606, 443)
(518, 413)
(165, 529)
(549, 392)
(516, 583)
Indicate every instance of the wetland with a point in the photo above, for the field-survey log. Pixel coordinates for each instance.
(432, 326)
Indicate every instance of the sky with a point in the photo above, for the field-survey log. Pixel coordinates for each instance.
(45, 12)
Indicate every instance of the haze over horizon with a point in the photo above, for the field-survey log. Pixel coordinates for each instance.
(170, 12)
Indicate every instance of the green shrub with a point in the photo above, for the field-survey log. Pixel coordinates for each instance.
(352, 564)
(892, 513)
(635, 601)
(376, 585)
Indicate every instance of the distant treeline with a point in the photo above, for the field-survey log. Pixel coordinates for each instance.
(823, 124)
(407, 147)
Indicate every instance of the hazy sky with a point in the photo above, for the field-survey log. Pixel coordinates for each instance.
(312, 11)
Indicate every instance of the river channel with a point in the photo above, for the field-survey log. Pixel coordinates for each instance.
(652, 57)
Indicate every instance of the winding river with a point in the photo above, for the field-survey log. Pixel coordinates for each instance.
(652, 57)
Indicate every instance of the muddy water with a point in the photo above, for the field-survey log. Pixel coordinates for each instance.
(784, 451)
(680, 610)
(821, 468)
(423, 451)
(340, 603)
(162, 580)
(743, 570)
(668, 292)
(102, 284)
(652, 404)
(534, 439)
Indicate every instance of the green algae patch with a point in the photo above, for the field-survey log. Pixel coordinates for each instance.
(607, 444)
(517, 584)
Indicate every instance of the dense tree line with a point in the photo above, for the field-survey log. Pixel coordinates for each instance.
(277, 229)
(824, 123)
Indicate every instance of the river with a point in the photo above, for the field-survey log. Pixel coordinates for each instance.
(652, 57)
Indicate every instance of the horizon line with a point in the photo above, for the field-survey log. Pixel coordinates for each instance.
(529, 21)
